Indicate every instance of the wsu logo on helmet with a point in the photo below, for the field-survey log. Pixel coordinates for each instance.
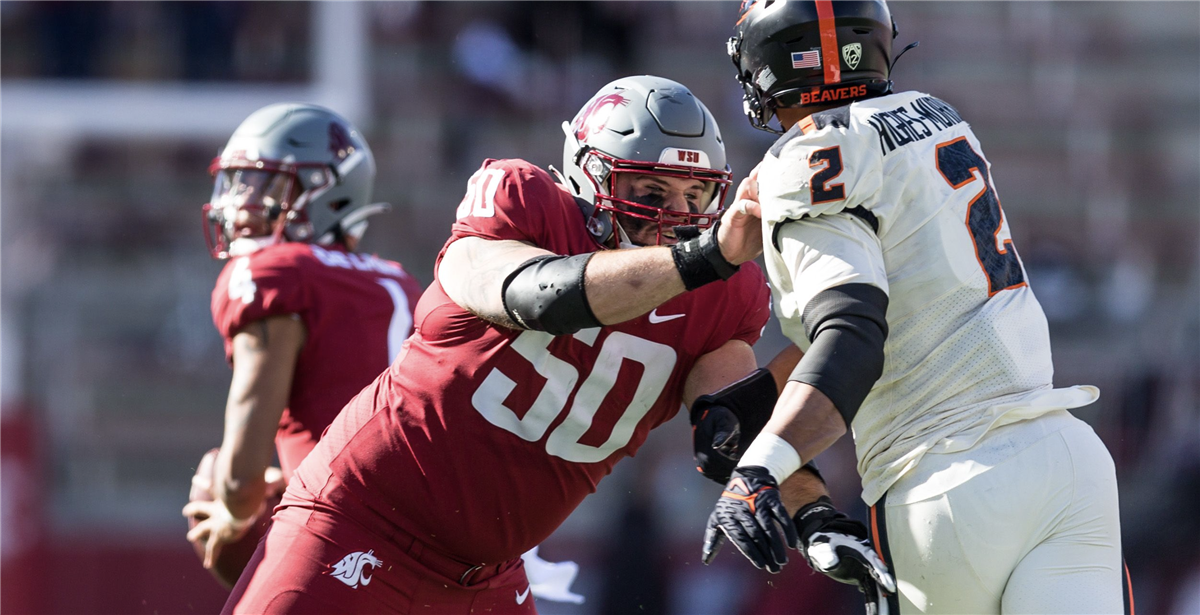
(340, 144)
(593, 117)
(350, 569)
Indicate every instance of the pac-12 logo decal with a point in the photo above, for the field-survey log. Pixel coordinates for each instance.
(351, 569)
(852, 53)
(593, 118)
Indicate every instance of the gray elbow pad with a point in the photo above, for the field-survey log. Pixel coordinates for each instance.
(847, 326)
(546, 294)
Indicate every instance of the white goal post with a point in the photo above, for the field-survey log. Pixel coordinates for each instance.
(72, 109)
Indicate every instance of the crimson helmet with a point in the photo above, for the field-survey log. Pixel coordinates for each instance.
(302, 171)
(650, 126)
(792, 53)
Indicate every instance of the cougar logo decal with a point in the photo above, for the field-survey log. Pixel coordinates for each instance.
(340, 144)
(593, 118)
(350, 570)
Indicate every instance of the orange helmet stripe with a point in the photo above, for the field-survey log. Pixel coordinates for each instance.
(829, 44)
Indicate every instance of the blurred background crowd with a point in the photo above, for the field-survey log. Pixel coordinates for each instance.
(113, 375)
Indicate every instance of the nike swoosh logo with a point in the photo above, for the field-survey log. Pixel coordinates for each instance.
(521, 596)
(655, 318)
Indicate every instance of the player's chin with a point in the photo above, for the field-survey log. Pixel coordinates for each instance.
(651, 236)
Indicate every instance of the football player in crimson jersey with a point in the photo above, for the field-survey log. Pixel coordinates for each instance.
(893, 268)
(307, 322)
(570, 315)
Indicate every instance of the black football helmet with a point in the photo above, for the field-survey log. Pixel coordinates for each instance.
(792, 53)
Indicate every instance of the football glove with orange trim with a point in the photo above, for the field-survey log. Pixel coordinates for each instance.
(840, 548)
(751, 514)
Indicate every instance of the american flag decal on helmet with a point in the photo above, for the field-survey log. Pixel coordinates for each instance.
(806, 59)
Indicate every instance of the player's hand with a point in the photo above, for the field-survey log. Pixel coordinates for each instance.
(838, 547)
(725, 422)
(215, 528)
(751, 514)
(740, 233)
(716, 437)
(275, 481)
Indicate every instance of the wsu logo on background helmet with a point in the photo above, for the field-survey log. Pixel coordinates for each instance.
(298, 172)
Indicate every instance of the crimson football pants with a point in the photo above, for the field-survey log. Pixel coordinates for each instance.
(316, 563)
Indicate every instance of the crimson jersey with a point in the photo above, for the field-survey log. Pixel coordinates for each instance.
(480, 439)
(357, 311)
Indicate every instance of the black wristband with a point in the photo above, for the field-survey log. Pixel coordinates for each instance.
(813, 514)
(700, 261)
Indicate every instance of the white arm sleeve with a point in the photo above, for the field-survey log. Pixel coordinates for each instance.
(816, 254)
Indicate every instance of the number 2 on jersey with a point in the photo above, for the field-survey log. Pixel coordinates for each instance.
(958, 162)
(829, 160)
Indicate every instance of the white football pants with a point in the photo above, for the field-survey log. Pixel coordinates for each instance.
(1036, 531)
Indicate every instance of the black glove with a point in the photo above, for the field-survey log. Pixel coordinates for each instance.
(840, 548)
(751, 513)
(727, 421)
(716, 435)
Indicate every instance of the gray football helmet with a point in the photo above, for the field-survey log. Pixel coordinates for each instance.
(302, 171)
(644, 125)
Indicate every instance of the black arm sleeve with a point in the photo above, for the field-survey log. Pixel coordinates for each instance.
(847, 326)
(546, 294)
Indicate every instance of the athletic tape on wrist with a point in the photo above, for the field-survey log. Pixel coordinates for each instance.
(773, 453)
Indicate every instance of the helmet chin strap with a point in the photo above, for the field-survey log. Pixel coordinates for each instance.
(353, 224)
(623, 241)
(249, 245)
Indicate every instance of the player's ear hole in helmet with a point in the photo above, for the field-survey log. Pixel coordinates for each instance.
(290, 172)
(801, 53)
(636, 152)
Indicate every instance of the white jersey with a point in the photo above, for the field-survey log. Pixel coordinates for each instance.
(895, 192)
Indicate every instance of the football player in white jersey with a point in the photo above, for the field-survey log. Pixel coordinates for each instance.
(892, 267)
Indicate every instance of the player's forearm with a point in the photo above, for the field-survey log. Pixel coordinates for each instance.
(714, 370)
(806, 419)
(246, 451)
(264, 360)
(783, 364)
(238, 485)
(801, 488)
(624, 284)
